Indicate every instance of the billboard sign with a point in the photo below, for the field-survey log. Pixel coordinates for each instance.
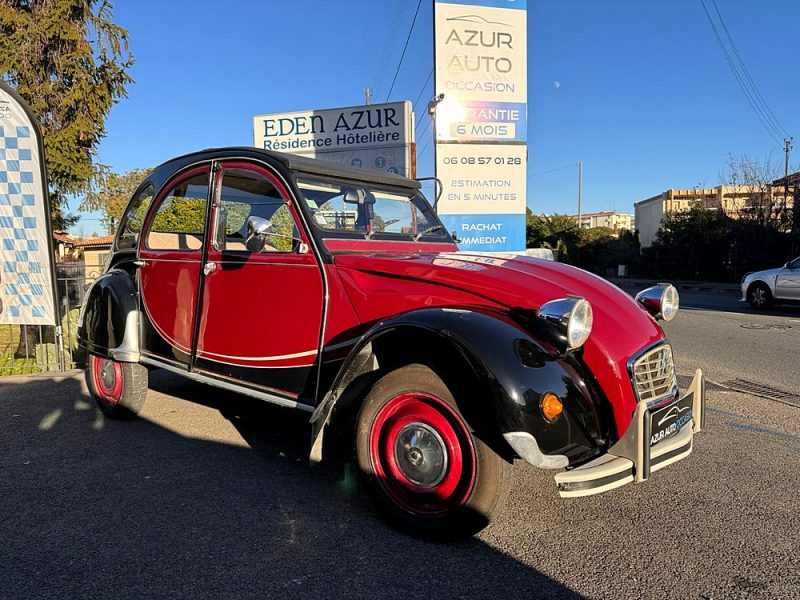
(482, 120)
(27, 273)
(374, 136)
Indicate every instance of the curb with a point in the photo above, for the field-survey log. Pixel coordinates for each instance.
(706, 287)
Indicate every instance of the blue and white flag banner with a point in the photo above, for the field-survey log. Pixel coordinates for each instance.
(26, 262)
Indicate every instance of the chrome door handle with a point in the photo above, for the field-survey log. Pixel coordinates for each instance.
(208, 267)
(139, 263)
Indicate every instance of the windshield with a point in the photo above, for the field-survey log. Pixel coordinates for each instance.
(368, 211)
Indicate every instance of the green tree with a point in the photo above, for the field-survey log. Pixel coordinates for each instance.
(557, 232)
(70, 63)
(111, 195)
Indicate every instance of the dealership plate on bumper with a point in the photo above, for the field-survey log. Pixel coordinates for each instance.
(668, 420)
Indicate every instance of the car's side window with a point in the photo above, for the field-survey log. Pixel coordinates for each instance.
(246, 194)
(133, 219)
(180, 218)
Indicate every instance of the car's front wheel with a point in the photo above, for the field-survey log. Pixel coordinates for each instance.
(422, 464)
(119, 388)
(759, 296)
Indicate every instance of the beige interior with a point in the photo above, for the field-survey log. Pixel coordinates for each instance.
(157, 240)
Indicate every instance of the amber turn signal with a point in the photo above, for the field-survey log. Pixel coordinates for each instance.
(551, 406)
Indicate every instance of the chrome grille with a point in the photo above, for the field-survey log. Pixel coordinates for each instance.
(654, 374)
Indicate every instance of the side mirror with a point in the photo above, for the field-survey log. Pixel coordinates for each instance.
(259, 234)
(257, 230)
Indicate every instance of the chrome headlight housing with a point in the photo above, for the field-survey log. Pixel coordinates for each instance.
(569, 319)
(661, 301)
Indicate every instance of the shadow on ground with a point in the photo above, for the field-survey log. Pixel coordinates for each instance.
(99, 508)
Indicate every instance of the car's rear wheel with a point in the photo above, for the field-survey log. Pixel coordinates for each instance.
(119, 388)
(422, 464)
(759, 296)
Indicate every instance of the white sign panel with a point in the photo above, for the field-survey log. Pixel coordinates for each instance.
(481, 50)
(26, 275)
(481, 121)
(374, 136)
(473, 177)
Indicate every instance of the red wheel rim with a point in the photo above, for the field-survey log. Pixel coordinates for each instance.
(422, 454)
(107, 377)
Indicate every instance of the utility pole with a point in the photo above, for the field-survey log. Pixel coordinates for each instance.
(367, 95)
(787, 143)
(580, 194)
(787, 146)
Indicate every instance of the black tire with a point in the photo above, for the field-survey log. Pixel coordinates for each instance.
(759, 296)
(411, 408)
(119, 388)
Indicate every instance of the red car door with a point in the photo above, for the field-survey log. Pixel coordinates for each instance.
(170, 253)
(261, 309)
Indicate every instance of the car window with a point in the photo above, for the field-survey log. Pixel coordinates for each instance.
(133, 219)
(180, 218)
(246, 194)
(341, 207)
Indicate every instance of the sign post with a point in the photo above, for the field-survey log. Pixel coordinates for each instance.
(27, 270)
(481, 121)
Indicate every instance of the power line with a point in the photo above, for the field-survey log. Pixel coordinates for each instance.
(402, 56)
(425, 147)
(754, 87)
(570, 166)
(422, 91)
(757, 108)
(391, 38)
(422, 133)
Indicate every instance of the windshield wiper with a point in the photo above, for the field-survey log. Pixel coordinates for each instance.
(430, 229)
(371, 232)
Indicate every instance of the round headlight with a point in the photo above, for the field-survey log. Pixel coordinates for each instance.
(661, 301)
(670, 301)
(569, 321)
(579, 325)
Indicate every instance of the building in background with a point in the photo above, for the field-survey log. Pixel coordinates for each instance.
(617, 221)
(81, 260)
(650, 213)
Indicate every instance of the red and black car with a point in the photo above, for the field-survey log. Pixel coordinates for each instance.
(339, 292)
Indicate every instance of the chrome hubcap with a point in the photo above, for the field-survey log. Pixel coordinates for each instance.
(758, 296)
(421, 454)
(107, 374)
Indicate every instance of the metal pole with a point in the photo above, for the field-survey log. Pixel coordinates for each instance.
(787, 143)
(580, 194)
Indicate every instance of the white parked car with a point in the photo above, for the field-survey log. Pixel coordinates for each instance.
(764, 288)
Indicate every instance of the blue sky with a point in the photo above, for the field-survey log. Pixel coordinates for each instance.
(639, 91)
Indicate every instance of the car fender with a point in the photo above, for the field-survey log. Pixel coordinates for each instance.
(512, 369)
(109, 319)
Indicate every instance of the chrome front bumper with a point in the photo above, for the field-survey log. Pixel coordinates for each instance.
(633, 458)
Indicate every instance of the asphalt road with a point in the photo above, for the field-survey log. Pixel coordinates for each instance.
(215, 499)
